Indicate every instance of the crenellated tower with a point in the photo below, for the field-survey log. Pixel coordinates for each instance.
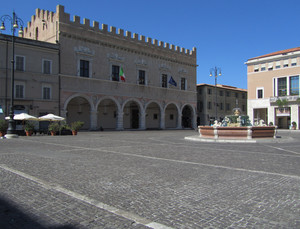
(50, 26)
(160, 86)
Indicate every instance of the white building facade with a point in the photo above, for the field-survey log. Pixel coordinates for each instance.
(273, 88)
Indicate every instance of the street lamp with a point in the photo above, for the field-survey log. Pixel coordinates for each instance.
(14, 22)
(215, 72)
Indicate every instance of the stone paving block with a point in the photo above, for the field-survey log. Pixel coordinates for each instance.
(156, 176)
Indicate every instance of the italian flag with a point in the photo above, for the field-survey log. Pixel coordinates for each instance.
(122, 75)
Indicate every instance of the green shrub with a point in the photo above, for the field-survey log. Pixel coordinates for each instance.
(64, 126)
(3, 125)
(29, 126)
(76, 125)
(53, 127)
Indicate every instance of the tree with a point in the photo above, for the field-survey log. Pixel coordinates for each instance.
(281, 103)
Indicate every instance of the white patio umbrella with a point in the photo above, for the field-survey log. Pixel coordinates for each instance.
(23, 116)
(51, 117)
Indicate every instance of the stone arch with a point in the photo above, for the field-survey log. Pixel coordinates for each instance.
(187, 116)
(153, 115)
(78, 95)
(172, 115)
(132, 100)
(107, 113)
(133, 114)
(111, 98)
(78, 108)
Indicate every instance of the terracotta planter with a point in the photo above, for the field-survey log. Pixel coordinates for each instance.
(2, 134)
(53, 133)
(74, 132)
(28, 133)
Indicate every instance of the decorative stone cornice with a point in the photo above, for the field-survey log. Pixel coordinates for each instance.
(141, 62)
(84, 50)
(126, 49)
(182, 71)
(164, 67)
(115, 57)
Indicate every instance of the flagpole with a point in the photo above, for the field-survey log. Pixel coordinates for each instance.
(217, 72)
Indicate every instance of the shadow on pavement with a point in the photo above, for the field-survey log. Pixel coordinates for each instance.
(12, 217)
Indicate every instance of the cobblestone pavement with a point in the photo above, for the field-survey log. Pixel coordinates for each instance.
(148, 179)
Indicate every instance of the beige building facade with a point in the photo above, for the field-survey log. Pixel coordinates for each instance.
(211, 108)
(112, 79)
(36, 79)
(273, 88)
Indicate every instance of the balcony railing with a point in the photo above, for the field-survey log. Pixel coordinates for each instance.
(289, 98)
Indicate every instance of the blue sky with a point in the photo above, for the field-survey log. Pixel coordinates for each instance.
(225, 32)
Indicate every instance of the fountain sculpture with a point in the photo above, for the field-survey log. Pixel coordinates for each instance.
(237, 126)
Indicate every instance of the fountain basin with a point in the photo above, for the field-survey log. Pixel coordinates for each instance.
(244, 132)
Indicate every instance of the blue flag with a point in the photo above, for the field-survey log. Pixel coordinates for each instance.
(172, 82)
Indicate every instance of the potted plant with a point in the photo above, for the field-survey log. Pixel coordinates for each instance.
(53, 128)
(75, 126)
(3, 127)
(281, 103)
(64, 129)
(294, 125)
(271, 124)
(29, 128)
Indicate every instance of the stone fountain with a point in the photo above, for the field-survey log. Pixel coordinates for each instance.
(236, 126)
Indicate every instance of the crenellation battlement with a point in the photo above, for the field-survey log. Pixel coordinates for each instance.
(128, 34)
(135, 36)
(104, 28)
(47, 13)
(96, 24)
(61, 16)
(113, 30)
(142, 38)
(86, 22)
(121, 32)
(76, 20)
(33, 18)
(37, 12)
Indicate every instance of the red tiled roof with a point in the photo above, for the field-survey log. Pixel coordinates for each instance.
(278, 53)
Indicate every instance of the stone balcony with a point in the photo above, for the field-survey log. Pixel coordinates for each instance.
(289, 98)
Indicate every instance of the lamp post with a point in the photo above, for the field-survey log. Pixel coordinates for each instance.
(215, 72)
(14, 22)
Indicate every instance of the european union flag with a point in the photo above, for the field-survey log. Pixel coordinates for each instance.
(172, 82)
